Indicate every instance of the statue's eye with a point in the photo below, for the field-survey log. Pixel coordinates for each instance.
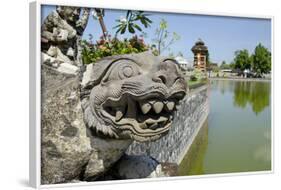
(126, 71)
(123, 69)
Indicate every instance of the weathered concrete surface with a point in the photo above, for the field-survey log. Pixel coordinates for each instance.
(105, 153)
(189, 118)
(64, 142)
(136, 167)
(69, 150)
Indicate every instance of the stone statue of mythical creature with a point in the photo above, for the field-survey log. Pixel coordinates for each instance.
(87, 128)
(132, 96)
(129, 97)
(61, 34)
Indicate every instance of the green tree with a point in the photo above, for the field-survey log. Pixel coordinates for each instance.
(232, 65)
(130, 22)
(242, 60)
(163, 39)
(261, 60)
(224, 65)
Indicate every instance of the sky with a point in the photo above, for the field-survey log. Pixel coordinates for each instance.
(222, 35)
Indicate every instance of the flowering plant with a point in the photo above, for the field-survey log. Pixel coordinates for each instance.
(111, 46)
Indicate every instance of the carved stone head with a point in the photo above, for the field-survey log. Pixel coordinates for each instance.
(132, 96)
(71, 14)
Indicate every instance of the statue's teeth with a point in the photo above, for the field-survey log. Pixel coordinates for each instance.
(150, 121)
(151, 102)
(170, 105)
(158, 106)
(119, 114)
(145, 107)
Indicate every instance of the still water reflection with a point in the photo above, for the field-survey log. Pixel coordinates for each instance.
(237, 135)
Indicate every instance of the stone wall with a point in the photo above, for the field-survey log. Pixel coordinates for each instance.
(191, 114)
(65, 146)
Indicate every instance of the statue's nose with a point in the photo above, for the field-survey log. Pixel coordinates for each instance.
(166, 73)
(159, 77)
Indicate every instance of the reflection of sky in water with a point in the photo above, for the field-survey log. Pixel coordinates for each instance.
(263, 152)
(239, 128)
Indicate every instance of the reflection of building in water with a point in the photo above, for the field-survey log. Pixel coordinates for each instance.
(200, 52)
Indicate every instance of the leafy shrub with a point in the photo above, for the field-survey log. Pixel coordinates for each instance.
(112, 46)
(198, 74)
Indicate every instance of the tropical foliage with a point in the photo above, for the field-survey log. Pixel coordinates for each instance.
(130, 22)
(108, 46)
(112, 46)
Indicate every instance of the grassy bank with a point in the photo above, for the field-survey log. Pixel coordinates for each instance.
(195, 84)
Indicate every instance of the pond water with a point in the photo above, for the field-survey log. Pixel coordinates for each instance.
(237, 135)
